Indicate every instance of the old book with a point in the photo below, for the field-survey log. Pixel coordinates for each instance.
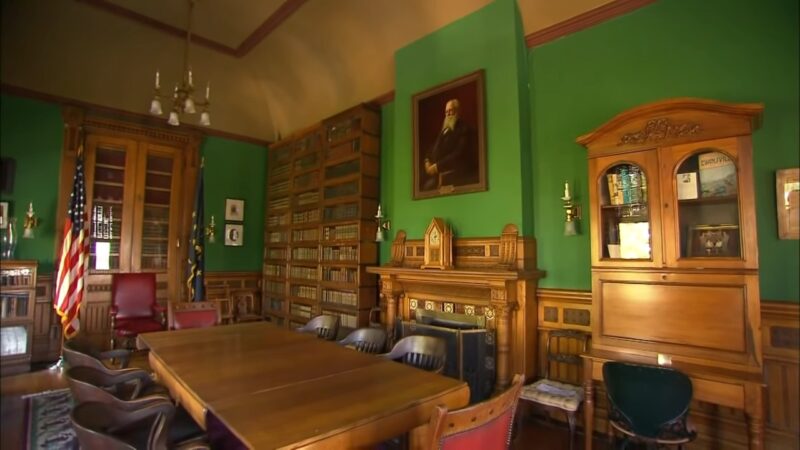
(717, 175)
(687, 185)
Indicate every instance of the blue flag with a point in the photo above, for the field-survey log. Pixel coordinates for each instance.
(194, 282)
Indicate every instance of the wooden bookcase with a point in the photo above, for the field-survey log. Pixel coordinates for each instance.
(322, 196)
(140, 187)
(17, 300)
(684, 279)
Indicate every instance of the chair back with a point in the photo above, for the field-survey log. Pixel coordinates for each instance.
(245, 306)
(423, 352)
(78, 353)
(647, 401)
(181, 315)
(325, 326)
(100, 426)
(486, 425)
(133, 294)
(367, 340)
(563, 350)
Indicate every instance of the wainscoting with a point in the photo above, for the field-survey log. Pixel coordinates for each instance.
(717, 427)
(94, 318)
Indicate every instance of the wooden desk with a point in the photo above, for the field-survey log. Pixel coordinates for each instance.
(276, 388)
(724, 387)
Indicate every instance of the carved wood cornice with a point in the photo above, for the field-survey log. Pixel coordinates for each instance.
(657, 130)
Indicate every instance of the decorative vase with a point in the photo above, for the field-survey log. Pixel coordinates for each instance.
(8, 239)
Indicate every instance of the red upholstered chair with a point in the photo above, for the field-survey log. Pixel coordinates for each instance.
(134, 308)
(181, 315)
(483, 426)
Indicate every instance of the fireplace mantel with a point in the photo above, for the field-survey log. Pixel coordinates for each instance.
(494, 277)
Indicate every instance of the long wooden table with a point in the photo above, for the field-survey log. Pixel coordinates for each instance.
(276, 388)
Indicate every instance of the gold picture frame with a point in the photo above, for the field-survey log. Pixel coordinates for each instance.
(787, 190)
(450, 138)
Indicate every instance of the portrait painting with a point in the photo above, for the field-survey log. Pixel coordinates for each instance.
(450, 138)
(234, 209)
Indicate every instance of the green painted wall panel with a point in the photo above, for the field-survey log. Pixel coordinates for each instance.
(235, 170)
(482, 40)
(729, 50)
(31, 132)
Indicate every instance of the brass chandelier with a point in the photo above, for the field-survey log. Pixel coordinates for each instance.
(183, 100)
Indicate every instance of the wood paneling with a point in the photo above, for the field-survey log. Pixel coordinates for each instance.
(718, 427)
(46, 323)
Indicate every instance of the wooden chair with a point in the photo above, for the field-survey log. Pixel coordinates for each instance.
(134, 308)
(78, 352)
(423, 352)
(245, 306)
(648, 404)
(485, 426)
(151, 427)
(367, 340)
(181, 315)
(221, 296)
(124, 384)
(325, 326)
(551, 392)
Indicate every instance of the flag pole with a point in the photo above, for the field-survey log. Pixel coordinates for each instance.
(75, 196)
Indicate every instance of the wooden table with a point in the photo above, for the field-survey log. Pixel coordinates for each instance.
(724, 387)
(276, 388)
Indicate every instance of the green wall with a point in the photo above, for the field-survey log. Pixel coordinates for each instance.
(728, 50)
(235, 170)
(31, 132)
(482, 40)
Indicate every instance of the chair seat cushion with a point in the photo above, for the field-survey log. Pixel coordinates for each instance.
(132, 327)
(194, 319)
(553, 393)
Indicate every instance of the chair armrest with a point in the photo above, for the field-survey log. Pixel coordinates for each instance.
(113, 310)
(139, 377)
(123, 355)
(158, 308)
(141, 402)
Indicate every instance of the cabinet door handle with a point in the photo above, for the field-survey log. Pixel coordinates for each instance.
(666, 205)
(663, 277)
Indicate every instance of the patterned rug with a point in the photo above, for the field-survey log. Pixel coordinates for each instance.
(48, 424)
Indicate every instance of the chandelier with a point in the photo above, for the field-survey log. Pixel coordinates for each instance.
(183, 94)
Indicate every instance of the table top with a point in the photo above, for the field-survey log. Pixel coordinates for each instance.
(276, 388)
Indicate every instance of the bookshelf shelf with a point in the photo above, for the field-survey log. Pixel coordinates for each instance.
(322, 193)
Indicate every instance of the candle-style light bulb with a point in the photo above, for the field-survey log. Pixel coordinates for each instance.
(158, 83)
(566, 191)
(208, 90)
(379, 215)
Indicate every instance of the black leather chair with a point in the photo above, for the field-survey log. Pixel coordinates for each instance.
(648, 404)
(324, 326)
(367, 340)
(423, 352)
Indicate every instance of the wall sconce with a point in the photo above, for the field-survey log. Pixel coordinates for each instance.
(31, 221)
(211, 231)
(572, 211)
(382, 225)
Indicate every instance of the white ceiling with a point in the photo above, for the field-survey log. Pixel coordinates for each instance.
(275, 66)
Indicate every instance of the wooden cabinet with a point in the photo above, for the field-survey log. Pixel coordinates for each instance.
(322, 192)
(140, 187)
(674, 247)
(17, 299)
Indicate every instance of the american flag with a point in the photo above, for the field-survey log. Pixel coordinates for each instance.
(74, 258)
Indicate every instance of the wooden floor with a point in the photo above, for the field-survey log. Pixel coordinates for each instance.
(534, 433)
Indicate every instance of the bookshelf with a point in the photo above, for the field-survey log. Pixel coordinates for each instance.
(17, 300)
(322, 195)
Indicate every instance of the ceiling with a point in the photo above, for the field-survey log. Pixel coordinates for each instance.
(274, 66)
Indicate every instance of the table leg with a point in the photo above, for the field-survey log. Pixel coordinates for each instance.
(588, 406)
(754, 411)
(419, 437)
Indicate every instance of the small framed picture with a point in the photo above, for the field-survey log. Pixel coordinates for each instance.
(787, 187)
(234, 234)
(713, 241)
(234, 209)
(3, 214)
